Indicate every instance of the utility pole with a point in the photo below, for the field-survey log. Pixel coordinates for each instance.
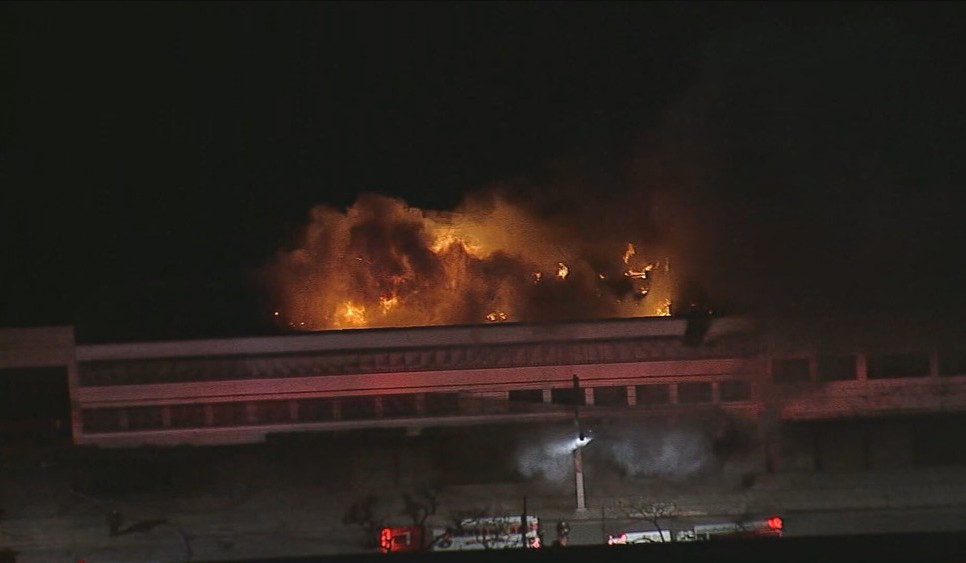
(524, 528)
(578, 459)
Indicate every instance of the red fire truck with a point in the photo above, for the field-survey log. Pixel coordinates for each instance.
(492, 532)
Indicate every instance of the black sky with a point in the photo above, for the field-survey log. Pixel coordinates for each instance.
(155, 153)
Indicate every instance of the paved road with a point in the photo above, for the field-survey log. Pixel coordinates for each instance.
(803, 524)
(263, 502)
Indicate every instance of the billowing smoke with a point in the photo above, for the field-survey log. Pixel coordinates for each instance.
(549, 457)
(383, 263)
(655, 447)
(772, 193)
(654, 450)
(679, 450)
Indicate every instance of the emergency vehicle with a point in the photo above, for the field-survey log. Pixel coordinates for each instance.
(492, 532)
(770, 527)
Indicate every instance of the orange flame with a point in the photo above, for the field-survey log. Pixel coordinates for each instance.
(562, 271)
(382, 263)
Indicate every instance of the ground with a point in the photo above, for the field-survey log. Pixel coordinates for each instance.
(295, 496)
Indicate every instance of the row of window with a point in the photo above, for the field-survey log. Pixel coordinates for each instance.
(428, 359)
(882, 366)
(215, 415)
(651, 394)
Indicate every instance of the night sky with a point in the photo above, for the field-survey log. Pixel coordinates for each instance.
(810, 159)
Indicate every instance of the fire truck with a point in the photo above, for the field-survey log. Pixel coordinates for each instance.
(770, 527)
(493, 532)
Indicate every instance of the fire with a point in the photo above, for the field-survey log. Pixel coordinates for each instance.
(562, 271)
(665, 309)
(496, 316)
(629, 253)
(353, 315)
(388, 303)
(383, 263)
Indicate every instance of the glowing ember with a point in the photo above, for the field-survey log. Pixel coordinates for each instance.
(388, 303)
(353, 315)
(665, 309)
(629, 253)
(382, 263)
(562, 271)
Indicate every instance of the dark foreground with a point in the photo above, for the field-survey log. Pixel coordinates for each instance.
(944, 547)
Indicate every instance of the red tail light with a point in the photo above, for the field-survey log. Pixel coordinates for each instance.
(385, 540)
(775, 523)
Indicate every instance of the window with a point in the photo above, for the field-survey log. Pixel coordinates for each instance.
(526, 396)
(187, 416)
(358, 407)
(272, 412)
(101, 420)
(889, 366)
(441, 404)
(144, 418)
(836, 368)
(653, 394)
(522, 400)
(952, 362)
(791, 371)
(315, 410)
(697, 392)
(608, 396)
(567, 396)
(735, 390)
(229, 414)
(399, 405)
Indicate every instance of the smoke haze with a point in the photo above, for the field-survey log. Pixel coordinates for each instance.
(776, 186)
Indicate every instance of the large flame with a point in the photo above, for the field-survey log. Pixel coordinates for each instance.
(382, 263)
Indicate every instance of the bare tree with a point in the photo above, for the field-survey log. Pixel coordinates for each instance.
(647, 510)
(362, 513)
(421, 504)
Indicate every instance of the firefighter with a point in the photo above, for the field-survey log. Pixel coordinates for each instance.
(563, 532)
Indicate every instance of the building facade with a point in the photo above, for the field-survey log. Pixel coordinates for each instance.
(247, 389)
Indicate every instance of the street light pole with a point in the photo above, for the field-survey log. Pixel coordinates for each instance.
(578, 459)
(579, 472)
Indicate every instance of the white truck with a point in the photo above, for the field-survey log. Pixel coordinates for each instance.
(769, 527)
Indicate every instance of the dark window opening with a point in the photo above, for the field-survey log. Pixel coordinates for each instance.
(609, 396)
(526, 396)
(791, 371)
(272, 412)
(898, 365)
(101, 420)
(314, 410)
(567, 396)
(353, 408)
(836, 368)
(697, 392)
(399, 405)
(439, 404)
(187, 416)
(229, 414)
(653, 394)
(735, 390)
(144, 418)
(523, 400)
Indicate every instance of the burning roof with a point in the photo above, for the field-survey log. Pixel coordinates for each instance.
(382, 263)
